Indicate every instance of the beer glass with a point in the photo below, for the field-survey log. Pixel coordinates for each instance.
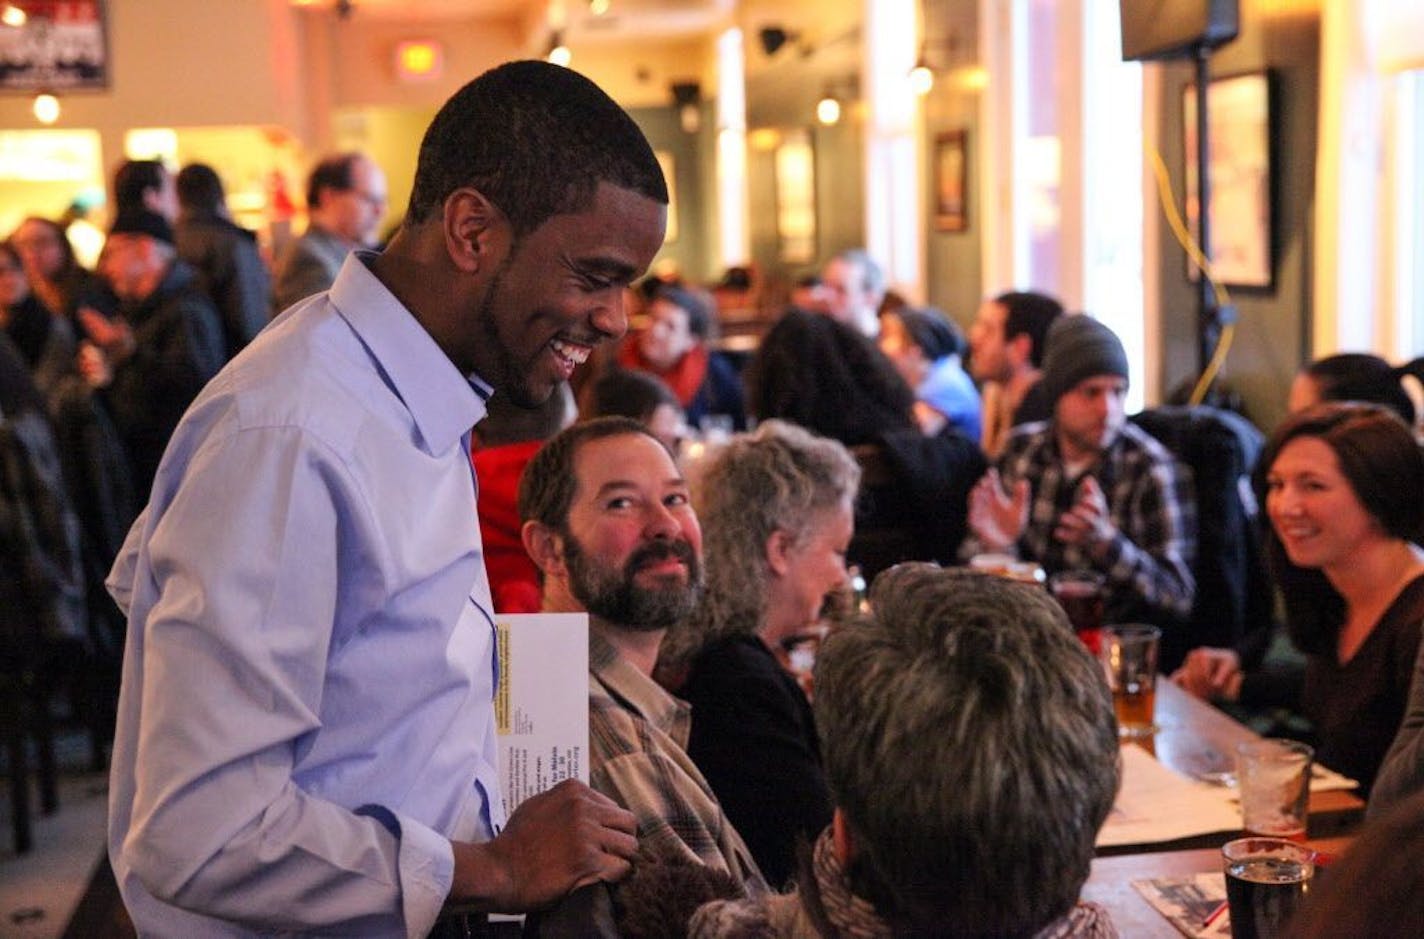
(1266, 880)
(1129, 657)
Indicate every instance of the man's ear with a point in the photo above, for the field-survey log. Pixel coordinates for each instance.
(841, 839)
(544, 546)
(477, 233)
(778, 552)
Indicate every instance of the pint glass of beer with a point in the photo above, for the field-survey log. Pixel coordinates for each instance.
(1129, 657)
(1266, 880)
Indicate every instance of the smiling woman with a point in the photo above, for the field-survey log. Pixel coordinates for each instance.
(1341, 487)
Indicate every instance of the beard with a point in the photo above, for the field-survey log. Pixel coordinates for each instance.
(511, 378)
(616, 596)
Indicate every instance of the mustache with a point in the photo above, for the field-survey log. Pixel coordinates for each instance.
(656, 551)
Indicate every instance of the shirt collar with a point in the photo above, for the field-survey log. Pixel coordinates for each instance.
(443, 403)
(637, 691)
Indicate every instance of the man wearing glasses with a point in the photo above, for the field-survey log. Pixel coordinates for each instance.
(346, 197)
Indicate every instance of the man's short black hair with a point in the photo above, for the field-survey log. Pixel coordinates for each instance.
(1031, 312)
(132, 179)
(535, 139)
(199, 188)
(334, 173)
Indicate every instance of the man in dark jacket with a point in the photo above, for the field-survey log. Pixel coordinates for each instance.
(154, 358)
(224, 254)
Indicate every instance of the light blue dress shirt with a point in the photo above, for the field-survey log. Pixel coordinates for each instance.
(306, 716)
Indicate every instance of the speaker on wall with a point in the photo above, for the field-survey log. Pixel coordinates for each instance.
(1169, 29)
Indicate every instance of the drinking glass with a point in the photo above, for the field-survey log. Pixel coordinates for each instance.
(1081, 594)
(1274, 778)
(1129, 657)
(1266, 880)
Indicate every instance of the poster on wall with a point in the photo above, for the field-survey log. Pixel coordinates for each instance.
(60, 46)
(1239, 140)
(951, 181)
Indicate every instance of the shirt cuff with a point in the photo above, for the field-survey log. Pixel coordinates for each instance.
(427, 871)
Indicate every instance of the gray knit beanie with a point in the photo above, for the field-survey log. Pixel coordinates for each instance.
(1079, 347)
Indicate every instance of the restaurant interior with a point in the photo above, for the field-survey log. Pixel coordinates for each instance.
(971, 146)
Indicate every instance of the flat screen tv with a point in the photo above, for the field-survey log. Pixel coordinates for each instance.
(1169, 29)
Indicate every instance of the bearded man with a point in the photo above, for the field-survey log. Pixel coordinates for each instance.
(608, 520)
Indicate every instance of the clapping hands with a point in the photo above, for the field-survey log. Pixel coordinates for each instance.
(997, 517)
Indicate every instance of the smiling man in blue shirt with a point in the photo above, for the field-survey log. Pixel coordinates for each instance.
(305, 740)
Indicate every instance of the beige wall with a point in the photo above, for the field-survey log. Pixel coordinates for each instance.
(237, 66)
(1272, 338)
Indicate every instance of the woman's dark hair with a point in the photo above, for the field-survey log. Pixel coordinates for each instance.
(828, 377)
(1384, 466)
(936, 334)
(1359, 376)
(623, 392)
(690, 300)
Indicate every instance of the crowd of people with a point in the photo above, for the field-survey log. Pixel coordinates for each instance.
(305, 739)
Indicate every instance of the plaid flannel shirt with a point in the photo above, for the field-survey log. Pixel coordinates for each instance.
(1150, 503)
(637, 757)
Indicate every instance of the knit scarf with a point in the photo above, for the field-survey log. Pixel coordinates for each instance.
(854, 918)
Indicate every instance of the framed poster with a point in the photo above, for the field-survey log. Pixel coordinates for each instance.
(1239, 129)
(951, 181)
(61, 46)
(796, 198)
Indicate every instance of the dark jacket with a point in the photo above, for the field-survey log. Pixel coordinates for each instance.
(178, 346)
(721, 393)
(232, 271)
(41, 577)
(913, 503)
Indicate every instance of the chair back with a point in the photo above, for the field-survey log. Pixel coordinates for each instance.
(1233, 591)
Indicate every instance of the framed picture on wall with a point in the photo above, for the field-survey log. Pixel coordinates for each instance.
(796, 197)
(62, 45)
(1239, 137)
(951, 181)
(669, 168)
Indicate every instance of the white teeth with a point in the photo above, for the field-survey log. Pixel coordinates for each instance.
(575, 354)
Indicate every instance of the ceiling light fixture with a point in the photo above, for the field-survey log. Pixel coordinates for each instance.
(687, 99)
(46, 108)
(828, 109)
(559, 53)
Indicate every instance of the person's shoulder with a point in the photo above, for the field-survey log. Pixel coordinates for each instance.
(1026, 439)
(733, 655)
(306, 371)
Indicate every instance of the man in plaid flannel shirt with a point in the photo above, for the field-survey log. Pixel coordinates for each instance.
(1088, 490)
(607, 519)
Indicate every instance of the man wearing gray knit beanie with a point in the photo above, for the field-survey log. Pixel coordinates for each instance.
(1086, 490)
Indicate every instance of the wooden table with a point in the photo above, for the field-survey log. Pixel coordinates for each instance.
(1110, 883)
(1195, 738)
